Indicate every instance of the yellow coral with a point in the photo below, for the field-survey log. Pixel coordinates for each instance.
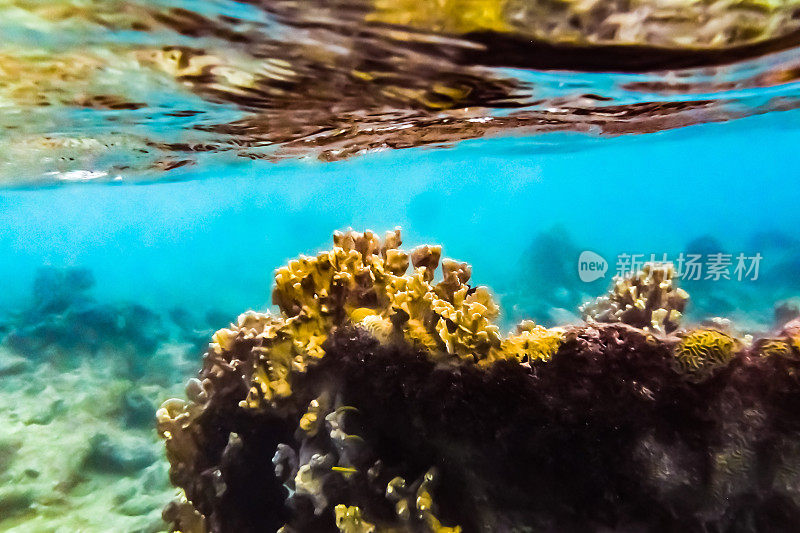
(349, 520)
(363, 281)
(532, 343)
(172, 419)
(648, 298)
(311, 421)
(284, 347)
(421, 500)
(774, 348)
(704, 349)
(435, 526)
(184, 517)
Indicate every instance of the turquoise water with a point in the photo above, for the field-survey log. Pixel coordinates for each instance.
(214, 240)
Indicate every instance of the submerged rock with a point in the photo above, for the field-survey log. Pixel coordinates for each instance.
(8, 449)
(110, 455)
(138, 409)
(48, 413)
(379, 400)
(56, 290)
(15, 500)
(12, 364)
(64, 323)
(786, 310)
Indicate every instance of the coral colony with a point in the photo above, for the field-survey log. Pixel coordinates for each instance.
(387, 400)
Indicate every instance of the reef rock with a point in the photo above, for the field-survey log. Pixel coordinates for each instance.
(379, 400)
(64, 319)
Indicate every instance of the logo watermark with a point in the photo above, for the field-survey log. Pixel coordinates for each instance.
(688, 267)
(591, 266)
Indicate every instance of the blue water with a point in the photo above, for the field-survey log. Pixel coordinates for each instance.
(213, 242)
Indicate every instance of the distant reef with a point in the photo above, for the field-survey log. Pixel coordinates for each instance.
(80, 381)
(64, 323)
(383, 399)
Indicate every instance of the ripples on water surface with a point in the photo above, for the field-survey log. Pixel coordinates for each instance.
(109, 90)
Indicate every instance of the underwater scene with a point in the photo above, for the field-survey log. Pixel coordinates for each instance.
(372, 266)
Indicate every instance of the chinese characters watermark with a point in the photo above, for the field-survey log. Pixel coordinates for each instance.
(688, 266)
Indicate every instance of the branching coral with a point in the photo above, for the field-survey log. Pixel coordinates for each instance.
(646, 299)
(363, 281)
(380, 400)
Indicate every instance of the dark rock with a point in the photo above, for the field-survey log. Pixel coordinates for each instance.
(55, 290)
(704, 245)
(15, 500)
(138, 505)
(65, 317)
(607, 436)
(216, 319)
(182, 318)
(547, 278)
(11, 364)
(786, 311)
(108, 455)
(138, 410)
(8, 449)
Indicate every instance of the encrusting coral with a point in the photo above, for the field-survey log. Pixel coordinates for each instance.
(703, 349)
(386, 400)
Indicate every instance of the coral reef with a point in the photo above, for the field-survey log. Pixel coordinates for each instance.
(380, 400)
(647, 299)
(546, 288)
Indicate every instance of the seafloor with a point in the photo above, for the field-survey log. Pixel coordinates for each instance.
(81, 381)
